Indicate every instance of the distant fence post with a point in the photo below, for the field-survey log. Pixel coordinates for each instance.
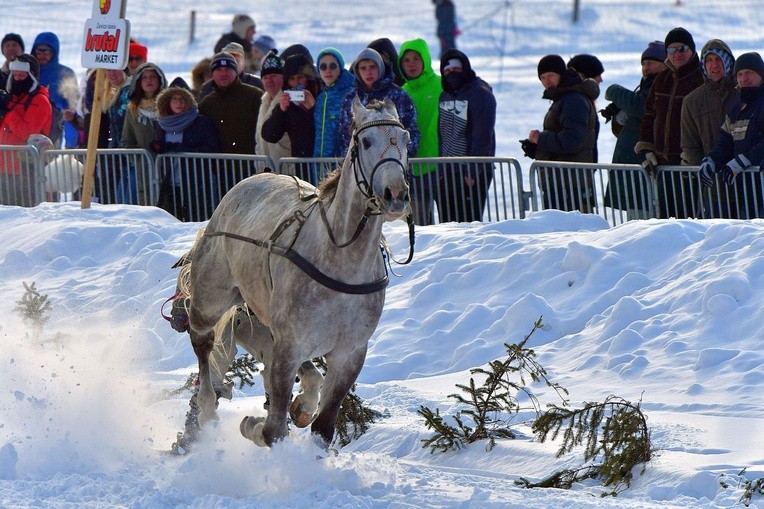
(192, 30)
(576, 9)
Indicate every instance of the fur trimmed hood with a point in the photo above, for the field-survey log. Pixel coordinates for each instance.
(164, 97)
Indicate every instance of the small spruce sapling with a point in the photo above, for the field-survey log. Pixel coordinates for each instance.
(33, 307)
(488, 407)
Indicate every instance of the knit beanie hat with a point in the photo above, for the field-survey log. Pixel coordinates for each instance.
(681, 35)
(13, 37)
(223, 59)
(138, 50)
(272, 64)
(234, 48)
(296, 49)
(551, 63)
(369, 54)
(750, 61)
(656, 50)
(241, 23)
(27, 63)
(587, 65)
(265, 43)
(298, 64)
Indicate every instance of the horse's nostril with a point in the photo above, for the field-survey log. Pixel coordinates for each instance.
(388, 194)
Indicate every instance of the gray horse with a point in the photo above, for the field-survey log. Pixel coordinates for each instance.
(308, 265)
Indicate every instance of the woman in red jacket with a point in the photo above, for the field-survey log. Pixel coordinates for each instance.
(27, 112)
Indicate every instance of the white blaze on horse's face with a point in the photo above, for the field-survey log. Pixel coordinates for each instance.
(382, 151)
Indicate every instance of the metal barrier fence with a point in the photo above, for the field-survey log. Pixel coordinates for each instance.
(467, 189)
(487, 189)
(624, 192)
(20, 176)
(191, 185)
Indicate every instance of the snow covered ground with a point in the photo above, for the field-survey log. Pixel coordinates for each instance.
(666, 312)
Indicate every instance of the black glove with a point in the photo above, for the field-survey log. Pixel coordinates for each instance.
(158, 146)
(5, 98)
(529, 148)
(609, 112)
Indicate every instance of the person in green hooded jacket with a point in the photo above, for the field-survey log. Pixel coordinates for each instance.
(424, 86)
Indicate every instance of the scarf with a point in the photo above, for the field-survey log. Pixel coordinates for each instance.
(180, 121)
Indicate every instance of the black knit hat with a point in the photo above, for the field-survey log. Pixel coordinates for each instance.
(551, 63)
(272, 64)
(297, 64)
(656, 50)
(224, 59)
(750, 61)
(13, 37)
(679, 34)
(587, 65)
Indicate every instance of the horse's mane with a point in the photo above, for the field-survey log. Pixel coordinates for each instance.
(327, 188)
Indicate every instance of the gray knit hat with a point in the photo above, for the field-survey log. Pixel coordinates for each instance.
(369, 54)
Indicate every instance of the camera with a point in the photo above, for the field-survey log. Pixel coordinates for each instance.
(609, 112)
(296, 96)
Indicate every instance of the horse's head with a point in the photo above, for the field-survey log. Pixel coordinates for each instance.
(380, 149)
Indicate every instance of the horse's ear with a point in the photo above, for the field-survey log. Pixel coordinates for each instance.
(389, 106)
(357, 106)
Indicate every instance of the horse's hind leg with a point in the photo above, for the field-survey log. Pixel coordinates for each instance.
(306, 402)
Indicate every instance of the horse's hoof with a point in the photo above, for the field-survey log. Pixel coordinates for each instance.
(299, 416)
(252, 428)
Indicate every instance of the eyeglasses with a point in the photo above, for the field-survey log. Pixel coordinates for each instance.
(331, 65)
(681, 49)
(43, 51)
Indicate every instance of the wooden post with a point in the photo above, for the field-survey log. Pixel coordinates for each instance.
(95, 127)
(576, 9)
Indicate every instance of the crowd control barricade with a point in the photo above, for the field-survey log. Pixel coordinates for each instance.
(310, 169)
(744, 199)
(192, 184)
(465, 189)
(21, 181)
(617, 192)
(121, 175)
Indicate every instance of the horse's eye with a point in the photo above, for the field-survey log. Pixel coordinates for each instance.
(366, 143)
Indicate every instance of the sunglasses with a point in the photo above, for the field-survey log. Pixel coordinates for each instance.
(135, 59)
(680, 49)
(333, 66)
(44, 51)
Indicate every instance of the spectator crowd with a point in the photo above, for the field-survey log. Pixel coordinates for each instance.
(250, 98)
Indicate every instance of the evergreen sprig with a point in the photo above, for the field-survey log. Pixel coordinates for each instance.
(487, 405)
(33, 306)
(613, 433)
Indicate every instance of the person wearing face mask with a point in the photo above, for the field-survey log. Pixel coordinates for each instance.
(466, 122)
(27, 112)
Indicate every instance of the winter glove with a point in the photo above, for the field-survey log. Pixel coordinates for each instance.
(735, 166)
(609, 112)
(529, 148)
(5, 98)
(707, 170)
(650, 163)
(158, 146)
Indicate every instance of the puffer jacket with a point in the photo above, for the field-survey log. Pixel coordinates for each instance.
(569, 126)
(27, 114)
(326, 113)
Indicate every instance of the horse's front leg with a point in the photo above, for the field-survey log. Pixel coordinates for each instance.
(341, 373)
(282, 371)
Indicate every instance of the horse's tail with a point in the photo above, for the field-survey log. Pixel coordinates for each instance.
(182, 298)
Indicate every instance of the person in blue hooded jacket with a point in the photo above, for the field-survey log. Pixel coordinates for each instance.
(336, 83)
(62, 86)
(373, 82)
